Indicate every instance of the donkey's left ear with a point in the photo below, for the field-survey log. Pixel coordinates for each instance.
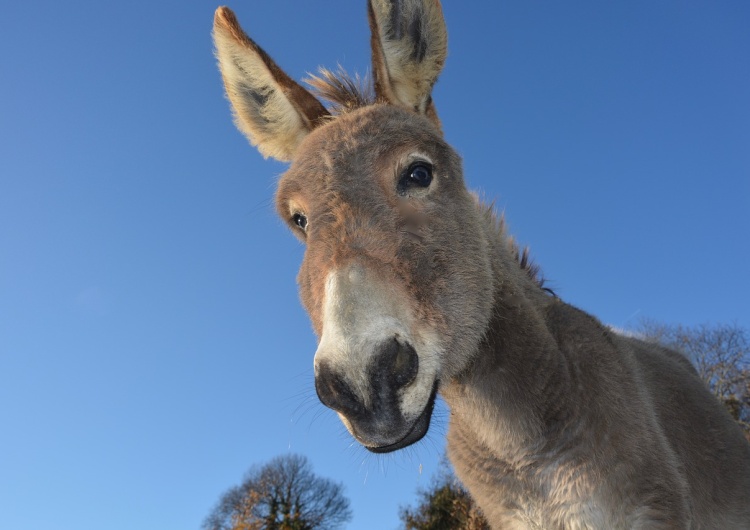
(409, 45)
(273, 111)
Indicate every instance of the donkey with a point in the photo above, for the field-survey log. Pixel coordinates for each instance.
(414, 288)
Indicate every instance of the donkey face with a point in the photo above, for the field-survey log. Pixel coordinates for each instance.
(396, 263)
(392, 265)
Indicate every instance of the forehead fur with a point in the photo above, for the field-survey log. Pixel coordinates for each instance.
(360, 142)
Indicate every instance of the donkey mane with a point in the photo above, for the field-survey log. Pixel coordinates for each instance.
(521, 255)
(341, 90)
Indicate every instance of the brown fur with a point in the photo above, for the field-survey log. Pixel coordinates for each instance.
(556, 421)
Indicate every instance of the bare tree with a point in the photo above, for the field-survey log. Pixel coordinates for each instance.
(284, 494)
(721, 355)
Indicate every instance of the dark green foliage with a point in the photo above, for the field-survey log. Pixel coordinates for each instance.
(446, 505)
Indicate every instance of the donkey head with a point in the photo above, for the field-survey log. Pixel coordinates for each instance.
(396, 271)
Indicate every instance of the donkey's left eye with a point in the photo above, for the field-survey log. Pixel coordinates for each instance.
(418, 175)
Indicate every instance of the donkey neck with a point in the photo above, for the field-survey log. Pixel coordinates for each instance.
(518, 386)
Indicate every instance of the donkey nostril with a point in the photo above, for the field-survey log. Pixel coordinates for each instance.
(405, 362)
(334, 392)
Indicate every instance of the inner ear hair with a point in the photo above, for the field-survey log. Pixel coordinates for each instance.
(409, 46)
(270, 108)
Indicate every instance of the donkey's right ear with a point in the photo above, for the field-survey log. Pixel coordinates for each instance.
(270, 108)
(409, 45)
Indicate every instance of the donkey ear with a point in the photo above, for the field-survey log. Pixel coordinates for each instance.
(409, 44)
(270, 108)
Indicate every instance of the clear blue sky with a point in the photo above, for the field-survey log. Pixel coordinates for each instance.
(152, 347)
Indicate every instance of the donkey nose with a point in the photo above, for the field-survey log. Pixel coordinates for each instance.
(394, 366)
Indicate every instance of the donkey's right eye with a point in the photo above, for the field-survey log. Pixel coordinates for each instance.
(300, 220)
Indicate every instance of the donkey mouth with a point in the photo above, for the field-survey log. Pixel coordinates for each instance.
(418, 430)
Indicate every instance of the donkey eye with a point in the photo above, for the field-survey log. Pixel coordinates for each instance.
(300, 220)
(420, 174)
(417, 175)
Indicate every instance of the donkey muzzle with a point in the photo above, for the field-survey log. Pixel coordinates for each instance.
(374, 414)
